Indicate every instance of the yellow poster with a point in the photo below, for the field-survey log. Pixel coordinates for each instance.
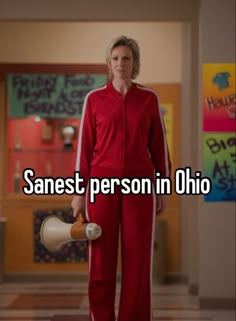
(167, 112)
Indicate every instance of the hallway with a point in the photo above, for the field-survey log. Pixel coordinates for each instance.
(69, 302)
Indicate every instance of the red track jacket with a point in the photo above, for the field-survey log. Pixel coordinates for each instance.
(122, 133)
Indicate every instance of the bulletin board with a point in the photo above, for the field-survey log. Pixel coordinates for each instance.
(41, 100)
(169, 99)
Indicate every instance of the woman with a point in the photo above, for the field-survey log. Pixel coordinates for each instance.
(121, 135)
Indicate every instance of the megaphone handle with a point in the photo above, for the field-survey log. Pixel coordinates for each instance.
(81, 218)
(78, 230)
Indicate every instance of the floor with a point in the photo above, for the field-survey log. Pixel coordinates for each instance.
(69, 302)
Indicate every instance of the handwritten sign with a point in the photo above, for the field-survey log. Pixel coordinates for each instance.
(220, 165)
(219, 98)
(50, 96)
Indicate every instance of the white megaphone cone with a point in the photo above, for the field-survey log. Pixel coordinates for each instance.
(54, 233)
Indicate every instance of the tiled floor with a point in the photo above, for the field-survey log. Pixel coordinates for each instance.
(69, 302)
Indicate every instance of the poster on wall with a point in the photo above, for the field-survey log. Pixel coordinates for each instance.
(220, 165)
(50, 95)
(167, 113)
(219, 98)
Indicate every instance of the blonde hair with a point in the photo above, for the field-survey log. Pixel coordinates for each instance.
(127, 42)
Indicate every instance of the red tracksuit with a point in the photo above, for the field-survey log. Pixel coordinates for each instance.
(122, 137)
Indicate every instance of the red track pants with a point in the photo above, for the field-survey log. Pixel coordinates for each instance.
(135, 216)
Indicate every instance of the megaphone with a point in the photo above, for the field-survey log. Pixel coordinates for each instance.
(54, 233)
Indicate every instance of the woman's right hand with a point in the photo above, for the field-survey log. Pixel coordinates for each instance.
(78, 206)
